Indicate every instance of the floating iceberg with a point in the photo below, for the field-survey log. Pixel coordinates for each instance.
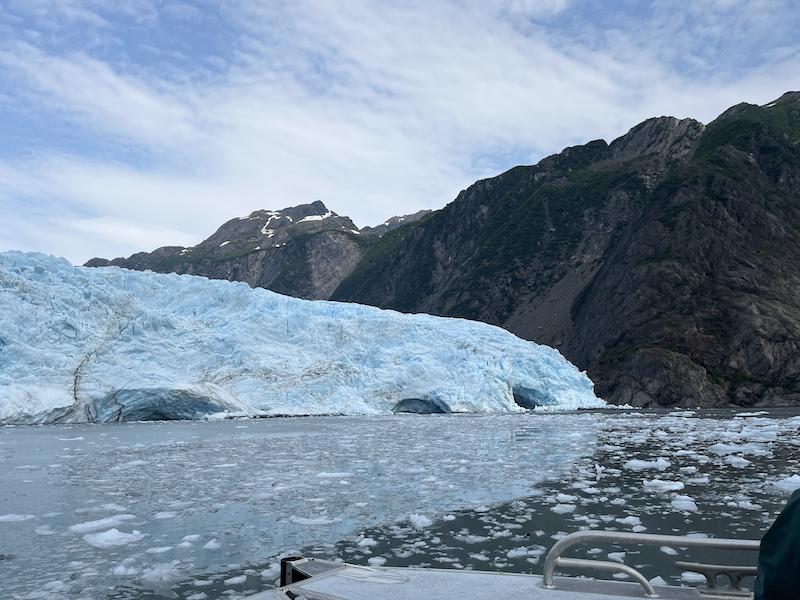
(96, 345)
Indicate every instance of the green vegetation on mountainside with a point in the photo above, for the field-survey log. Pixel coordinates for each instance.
(743, 127)
(732, 218)
(373, 266)
(544, 220)
(532, 216)
(534, 223)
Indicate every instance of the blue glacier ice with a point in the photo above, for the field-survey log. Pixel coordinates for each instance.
(96, 345)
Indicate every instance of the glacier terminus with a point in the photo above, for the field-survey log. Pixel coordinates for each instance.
(82, 344)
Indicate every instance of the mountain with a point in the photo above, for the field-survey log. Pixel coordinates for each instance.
(666, 263)
(394, 223)
(79, 344)
(303, 251)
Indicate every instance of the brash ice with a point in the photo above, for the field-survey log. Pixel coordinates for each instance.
(96, 345)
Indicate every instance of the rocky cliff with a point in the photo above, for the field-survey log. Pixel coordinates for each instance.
(666, 263)
(303, 251)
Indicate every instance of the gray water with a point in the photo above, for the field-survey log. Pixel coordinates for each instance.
(206, 509)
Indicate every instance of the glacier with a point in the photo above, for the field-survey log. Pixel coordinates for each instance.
(107, 344)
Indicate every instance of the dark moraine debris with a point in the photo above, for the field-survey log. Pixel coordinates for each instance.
(421, 406)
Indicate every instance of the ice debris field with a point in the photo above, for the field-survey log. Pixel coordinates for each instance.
(97, 345)
(205, 509)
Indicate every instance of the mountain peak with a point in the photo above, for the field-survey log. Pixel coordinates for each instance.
(668, 137)
(294, 214)
(665, 263)
(394, 223)
(793, 97)
(675, 138)
(303, 251)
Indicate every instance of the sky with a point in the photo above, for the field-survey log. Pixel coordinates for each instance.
(133, 124)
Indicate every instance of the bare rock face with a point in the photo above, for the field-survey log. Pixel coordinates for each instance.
(667, 263)
(517, 249)
(671, 138)
(658, 377)
(303, 251)
(710, 272)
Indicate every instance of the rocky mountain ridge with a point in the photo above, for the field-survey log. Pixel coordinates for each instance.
(394, 223)
(303, 251)
(665, 263)
(491, 254)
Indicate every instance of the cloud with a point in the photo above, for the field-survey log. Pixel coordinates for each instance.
(706, 39)
(127, 233)
(182, 10)
(90, 92)
(162, 132)
(54, 14)
(50, 14)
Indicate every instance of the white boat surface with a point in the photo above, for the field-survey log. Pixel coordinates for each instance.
(317, 579)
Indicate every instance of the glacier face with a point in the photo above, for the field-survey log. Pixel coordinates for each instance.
(96, 345)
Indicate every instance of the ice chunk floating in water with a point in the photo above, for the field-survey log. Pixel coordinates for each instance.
(80, 344)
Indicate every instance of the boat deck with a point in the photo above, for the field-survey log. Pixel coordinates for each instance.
(349, 582)
(316, 579)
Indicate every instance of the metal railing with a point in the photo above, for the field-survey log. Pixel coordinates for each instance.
(554, 558)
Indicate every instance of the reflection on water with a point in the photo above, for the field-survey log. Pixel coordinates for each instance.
(216, 503)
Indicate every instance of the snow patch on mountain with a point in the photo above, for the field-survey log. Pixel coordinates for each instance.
(316, 217)
(105, 344)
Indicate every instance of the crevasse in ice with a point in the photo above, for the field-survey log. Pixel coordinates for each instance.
(80, 344)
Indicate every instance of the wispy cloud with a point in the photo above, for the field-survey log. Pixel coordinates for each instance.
(166, 121)
(89, 92)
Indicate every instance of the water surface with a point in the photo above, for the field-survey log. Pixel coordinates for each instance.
(202, 509)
